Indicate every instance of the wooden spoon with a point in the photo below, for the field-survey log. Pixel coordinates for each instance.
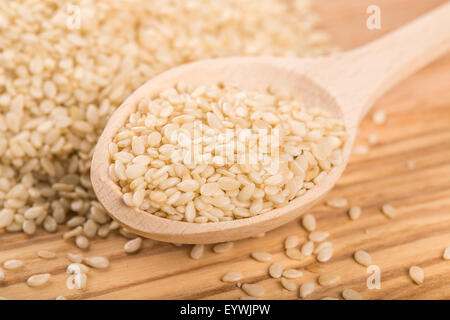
(346, 85)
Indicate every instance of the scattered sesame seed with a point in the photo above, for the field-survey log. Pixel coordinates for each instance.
(354, 212)
(275, 270)
(309, 222)
(337, 203)
(197, 251)
(379, 117)
(388, 210)
(446, 255)
(350, 294)
(306, 289)
(318, 236)
(253, 290)
(291, 242)
(232, 276)
(223, 247)
(292, 274)
(289, 285)
(328, 279)
(38, 280)
(261, 256)
(417, 274)
(363, 258)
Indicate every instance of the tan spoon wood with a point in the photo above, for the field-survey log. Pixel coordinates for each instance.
(345, 84)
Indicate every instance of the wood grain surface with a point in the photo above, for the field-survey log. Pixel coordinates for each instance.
(417, 129)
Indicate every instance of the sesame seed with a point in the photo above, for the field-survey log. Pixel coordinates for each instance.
(363, 258)
(292, 274)
(308, 248)
(291, 242)
(446, 255)
(388, 210)
(318, 236)
(253, 290)
(197, 251)
(97, 262)
(350, 294)
(133, 246)
(417, 274)
(289, 285)
(232, 276)
(261, 256)
(12, 264)
(325, 254)
(294, 254)
(38, 280)
(223, 247)
(275, 270)
(44, 254)
(306, 289)
(354, 212)
(337, 203)
(309, 222)
(328, 279)
(379, 117)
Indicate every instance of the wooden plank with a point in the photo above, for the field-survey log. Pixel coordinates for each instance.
(418, 128)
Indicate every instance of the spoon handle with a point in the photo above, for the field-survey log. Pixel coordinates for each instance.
(357, 78)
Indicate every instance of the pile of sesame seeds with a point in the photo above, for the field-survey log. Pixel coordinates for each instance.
(218, 153)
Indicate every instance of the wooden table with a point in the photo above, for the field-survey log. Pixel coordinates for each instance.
(418, 129)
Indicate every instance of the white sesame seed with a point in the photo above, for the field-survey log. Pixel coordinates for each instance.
(261, 256)
(292, 274)
(133, 246)
(318, 236)
(325, 254)
(446, 255)
(294, 254)
(350, 294)
(354, 212)
(2, 274)
(361, 149)
(97, 262)
(328, 279)
(197, 251)
(38, 280)
(337, 202)
(75, 258)
(417, 274)
(289, 285)
(308, 248)
(379, 117)
(309, 222)
(253, 290)
(306, 289)
(223, 247)
(232, 276)
(276, 270)
(388, 210)
(12, 264)
(291, 242)
(372, 138)
(363, 258)
(44, 254)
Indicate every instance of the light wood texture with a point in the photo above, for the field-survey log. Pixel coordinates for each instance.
(346, 84)
(418, 129)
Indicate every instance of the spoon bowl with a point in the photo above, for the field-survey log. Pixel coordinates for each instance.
(344, 85)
